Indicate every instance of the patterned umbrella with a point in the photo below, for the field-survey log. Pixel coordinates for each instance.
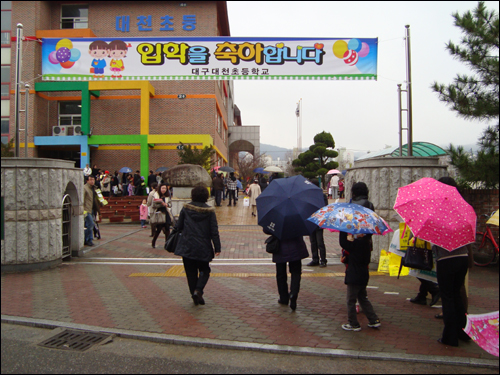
(483, 329)
(351, 218)
(437, 213)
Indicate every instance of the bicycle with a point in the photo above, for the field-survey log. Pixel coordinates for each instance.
(485, 249)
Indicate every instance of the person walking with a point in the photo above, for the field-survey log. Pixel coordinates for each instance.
(317, 240)
(356, 256)
(161, 206)
(231, 188)
(153, 194)
(90, 204)
(198, 242)
(253, 192)
(334, 185)
(451, 269)
(263, 184)
(218, 184)
(292, 251)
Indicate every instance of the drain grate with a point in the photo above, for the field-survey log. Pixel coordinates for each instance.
(75, 340)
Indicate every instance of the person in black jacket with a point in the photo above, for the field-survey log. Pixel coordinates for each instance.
(198, 224)
(292, 251)
(356, 256)
(317, 240)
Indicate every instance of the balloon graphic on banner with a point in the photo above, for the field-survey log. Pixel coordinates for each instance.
(364, 51)
(339, 49)
(75, 54)
(64, 43)
(64, 54)
(351, 58)
(350, 51)
(354, 44)
(53, 58)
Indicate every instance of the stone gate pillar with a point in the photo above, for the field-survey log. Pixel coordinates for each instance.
(32, 193)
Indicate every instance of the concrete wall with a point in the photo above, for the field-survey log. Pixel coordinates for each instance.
(384, 176)
(33, 190)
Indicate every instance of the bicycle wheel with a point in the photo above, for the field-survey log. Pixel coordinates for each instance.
(484, 251)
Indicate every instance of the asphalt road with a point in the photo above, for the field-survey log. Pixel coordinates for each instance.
(20, 354)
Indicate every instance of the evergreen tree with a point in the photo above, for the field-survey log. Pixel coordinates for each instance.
(316, 161)
(191, 155)
(476, 96)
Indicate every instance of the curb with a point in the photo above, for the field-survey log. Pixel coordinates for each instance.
(267, 348)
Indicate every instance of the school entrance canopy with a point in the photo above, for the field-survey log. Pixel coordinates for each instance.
(422, 149)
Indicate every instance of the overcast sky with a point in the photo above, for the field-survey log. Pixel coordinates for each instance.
(361, 115)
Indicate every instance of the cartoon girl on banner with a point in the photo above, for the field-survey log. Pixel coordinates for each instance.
(117, 50)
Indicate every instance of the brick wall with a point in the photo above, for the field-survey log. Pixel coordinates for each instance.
(167, 116)
(483, 202)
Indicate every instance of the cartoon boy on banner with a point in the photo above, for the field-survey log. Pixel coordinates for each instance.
(98, 50)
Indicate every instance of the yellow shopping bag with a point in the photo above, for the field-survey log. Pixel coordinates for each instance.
(394, 264)
(383, 264)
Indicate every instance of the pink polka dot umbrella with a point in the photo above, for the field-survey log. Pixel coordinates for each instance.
(437, 213)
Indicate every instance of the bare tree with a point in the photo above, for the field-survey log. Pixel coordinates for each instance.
(247, 163)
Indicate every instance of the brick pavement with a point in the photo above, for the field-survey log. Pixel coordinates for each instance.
(241, 306)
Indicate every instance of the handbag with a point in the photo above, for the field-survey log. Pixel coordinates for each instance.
(272, 245)
(171, 242)
(158, 217)
(417, 258)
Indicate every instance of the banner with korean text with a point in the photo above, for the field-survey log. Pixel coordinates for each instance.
(210, 58)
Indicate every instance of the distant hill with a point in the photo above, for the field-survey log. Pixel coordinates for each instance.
(274, 151)
(280, 152)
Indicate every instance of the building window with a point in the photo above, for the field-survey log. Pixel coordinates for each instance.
(6, 21)
(6, 7)
(70, 113)
(75, 16)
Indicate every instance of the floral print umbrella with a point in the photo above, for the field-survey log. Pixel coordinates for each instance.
(483, 329)
(351, 218)
(437, 213)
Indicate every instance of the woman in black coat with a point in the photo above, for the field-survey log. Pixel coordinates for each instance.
(356, 256)
(292, 251)
(200, 234)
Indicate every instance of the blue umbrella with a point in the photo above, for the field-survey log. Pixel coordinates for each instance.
(285, 205)
(125, 170)
(162, 169)
(259, 170)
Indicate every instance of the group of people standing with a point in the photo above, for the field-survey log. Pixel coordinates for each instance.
(335, 187)
(129, 184)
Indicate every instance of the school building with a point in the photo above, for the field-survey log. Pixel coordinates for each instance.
(109, 121)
